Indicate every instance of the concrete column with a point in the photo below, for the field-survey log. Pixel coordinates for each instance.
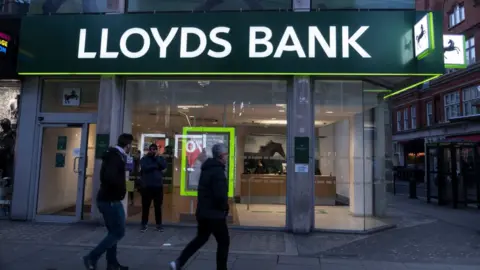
(342, 158)
(361, 164)
(26, 166)
(300, 185)
(109, 121)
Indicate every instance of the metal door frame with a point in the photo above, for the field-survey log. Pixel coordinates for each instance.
(80, 174)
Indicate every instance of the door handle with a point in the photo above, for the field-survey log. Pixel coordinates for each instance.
(76, 162)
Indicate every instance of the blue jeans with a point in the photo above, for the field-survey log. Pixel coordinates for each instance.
(114, 216)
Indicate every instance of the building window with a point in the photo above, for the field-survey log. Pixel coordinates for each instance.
(470, 50)
(452, 105)
(399, 120)
(429, 113)
(413, 116)
(405, 119)
(471, 96)
(457, 15)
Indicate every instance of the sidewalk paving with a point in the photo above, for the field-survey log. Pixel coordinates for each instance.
(426, 237)
(42, 257)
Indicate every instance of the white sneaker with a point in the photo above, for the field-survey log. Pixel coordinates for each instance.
(173, 266)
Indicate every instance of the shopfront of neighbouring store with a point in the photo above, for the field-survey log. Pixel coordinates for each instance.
(298, 98)
(10, 85)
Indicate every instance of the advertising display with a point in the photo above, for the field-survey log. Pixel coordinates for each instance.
(454, 51)
(9, 35)
(424, 38)
(196, 145)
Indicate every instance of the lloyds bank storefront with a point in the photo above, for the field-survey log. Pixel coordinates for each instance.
(300, 98)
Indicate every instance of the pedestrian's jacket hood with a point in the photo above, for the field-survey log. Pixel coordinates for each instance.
(212, 163)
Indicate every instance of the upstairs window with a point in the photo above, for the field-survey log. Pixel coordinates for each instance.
(457, 15)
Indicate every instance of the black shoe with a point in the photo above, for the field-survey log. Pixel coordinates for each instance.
(144, 228)
(117, 267)
(89, 265)
(159, 229)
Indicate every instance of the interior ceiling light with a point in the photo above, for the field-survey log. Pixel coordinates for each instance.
(203, 83)
(186, 107)
(328, 112)
(284, 122)
(281, 110)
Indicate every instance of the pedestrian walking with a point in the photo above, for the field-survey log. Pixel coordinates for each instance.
(212, 210)
(152, 166)
(109, 201)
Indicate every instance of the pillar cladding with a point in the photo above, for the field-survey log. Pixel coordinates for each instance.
(383, 169)
(109, 121)
(23, 201)
(300, 185)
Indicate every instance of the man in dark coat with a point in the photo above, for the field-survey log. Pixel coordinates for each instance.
(212, 210)
(152, 166)
(112, 191)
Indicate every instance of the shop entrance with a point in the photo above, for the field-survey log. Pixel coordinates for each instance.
(65, 179)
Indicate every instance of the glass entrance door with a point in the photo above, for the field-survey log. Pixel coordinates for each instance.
(66, 171)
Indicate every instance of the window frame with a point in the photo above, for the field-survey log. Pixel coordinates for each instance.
(470, 94)
(399, 120)
(470, 50)
(429, 112)
(451, 100)
(456, 15)
(405, 118)
(413, 117)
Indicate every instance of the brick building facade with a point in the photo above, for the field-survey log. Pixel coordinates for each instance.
(445, 107)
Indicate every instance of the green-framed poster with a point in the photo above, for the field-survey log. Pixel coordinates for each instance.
(197, 143)
(343, 43)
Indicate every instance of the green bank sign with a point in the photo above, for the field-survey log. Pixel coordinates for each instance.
(225, 43)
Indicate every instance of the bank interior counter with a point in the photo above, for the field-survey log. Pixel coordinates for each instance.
(272, 189)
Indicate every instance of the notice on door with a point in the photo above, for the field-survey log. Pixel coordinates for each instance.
(62, 143)
(59, 160)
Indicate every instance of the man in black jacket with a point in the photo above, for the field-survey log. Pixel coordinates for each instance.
(109, 201)
(212, 210)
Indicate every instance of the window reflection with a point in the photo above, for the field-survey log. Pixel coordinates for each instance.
(74, 6)
(206, 5)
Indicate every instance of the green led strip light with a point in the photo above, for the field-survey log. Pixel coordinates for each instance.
(411, 86)
(218, 74)
(231, 157)
(431, 36)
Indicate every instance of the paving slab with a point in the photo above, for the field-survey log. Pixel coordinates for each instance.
(299, 261)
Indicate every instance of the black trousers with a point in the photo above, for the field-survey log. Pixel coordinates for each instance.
(150, 194)
(219, 229)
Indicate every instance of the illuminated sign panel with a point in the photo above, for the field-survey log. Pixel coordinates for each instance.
(241, 43)
(424, 36)
(4, 40)
(454, 51)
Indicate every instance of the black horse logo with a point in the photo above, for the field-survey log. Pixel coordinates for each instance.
(72, 96)
(450, 48)
(271, 148)
(420, 35)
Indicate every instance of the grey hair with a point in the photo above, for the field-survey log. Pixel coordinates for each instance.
(218, 149)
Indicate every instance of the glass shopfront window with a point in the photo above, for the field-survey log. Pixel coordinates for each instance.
(207, 5)
(348, 121)
(70, 96)
(363, 4)
(185, 118)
